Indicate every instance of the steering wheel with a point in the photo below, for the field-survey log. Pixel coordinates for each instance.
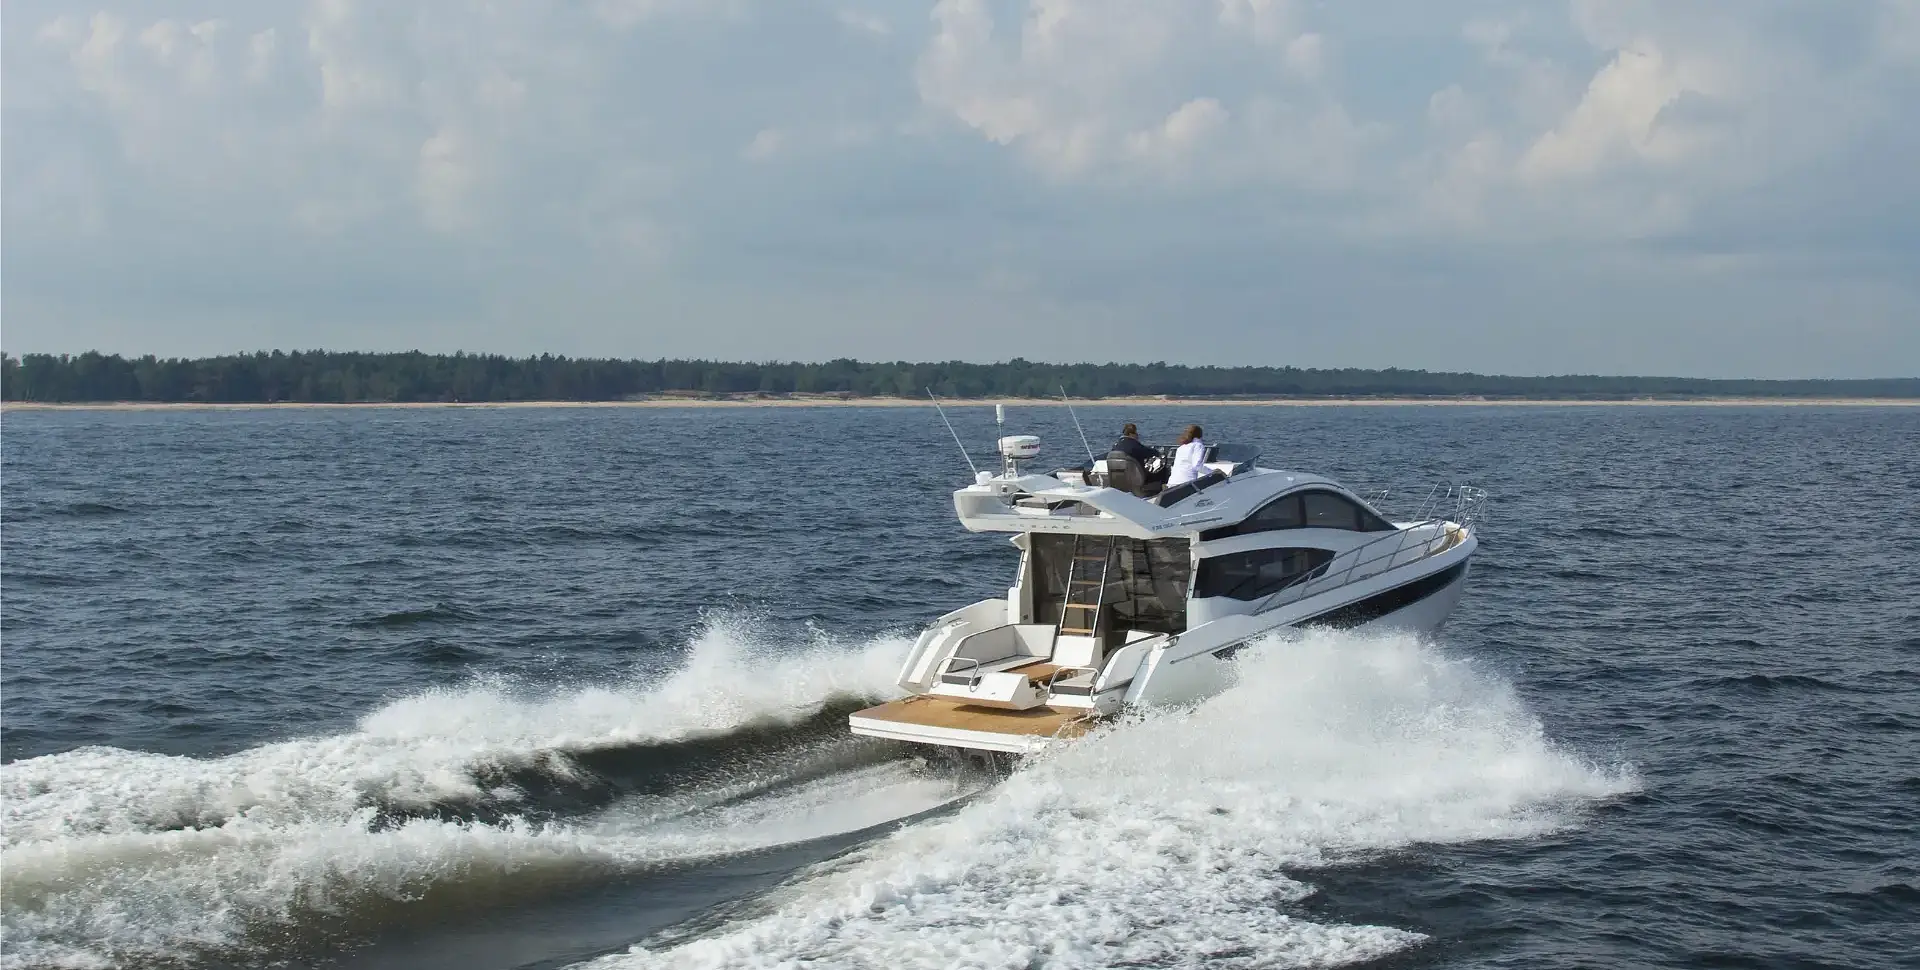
(1155, 463)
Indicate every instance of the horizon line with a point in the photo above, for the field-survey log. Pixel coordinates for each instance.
(1008, 362)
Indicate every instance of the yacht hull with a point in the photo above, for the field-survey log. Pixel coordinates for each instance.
(1172, 679)
(1193, 668)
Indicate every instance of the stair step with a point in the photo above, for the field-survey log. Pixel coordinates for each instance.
(1083, 606)
(1076, 631)
(1091, 558)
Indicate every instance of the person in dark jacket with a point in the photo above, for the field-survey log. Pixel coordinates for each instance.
(1129, 445)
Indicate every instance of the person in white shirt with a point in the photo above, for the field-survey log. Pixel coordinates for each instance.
(1189, 460)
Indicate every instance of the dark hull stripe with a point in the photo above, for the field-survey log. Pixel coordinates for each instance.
(1387, 601)
(1373, 607)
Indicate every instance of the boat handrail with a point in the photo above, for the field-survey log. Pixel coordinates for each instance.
(1468, 505)
(973, 680)
(1054, 678)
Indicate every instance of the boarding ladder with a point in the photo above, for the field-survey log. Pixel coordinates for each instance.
(1086, 585)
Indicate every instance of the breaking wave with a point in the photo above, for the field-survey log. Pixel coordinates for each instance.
(1181, 838)
(1162, 840)
(115, 857)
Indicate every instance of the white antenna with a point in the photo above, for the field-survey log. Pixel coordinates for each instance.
(956, 435)
(1076, 423)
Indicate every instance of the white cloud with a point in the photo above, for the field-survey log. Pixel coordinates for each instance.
(1273, 22)
(1898, 31)
(376, 108)
(621, 151)
(262, 49)
(863, 23)
(1688, 107)
(809, 140)
(628, 14)
(1307, 56)
(1618, 120)
(447, 176)
(1185, 130)
(766, 143)
(1089, 88)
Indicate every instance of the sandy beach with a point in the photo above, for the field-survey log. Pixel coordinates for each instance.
(895, 402)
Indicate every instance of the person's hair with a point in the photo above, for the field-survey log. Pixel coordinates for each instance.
(1191, 434)
(1128, 430)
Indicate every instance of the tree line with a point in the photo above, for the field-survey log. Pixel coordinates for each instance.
(344, 377)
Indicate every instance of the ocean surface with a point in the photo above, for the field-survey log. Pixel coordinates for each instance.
(492, 688)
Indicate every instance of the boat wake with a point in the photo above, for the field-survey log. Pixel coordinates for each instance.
(1157, 841)
(482, 795)
(1180, 838)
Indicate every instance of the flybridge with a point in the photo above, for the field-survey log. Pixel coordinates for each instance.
(1044, 503)
(1077, 500)
(1082, 500)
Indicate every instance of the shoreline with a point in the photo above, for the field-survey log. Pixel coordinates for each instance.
(858, 402)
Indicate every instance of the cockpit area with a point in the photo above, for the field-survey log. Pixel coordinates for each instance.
(1078, 605)
(1148, 480)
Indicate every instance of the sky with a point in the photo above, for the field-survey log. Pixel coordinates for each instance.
(1717, 188)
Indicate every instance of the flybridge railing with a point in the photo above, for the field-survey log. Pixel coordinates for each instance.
(1430, 533)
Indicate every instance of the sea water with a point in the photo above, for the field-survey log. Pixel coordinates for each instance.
(555, 687)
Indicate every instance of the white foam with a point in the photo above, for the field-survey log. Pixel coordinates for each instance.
(731, 679)
(1170, 838)
(418, 752)
(126, 897)
(113, 855)
(844, 802)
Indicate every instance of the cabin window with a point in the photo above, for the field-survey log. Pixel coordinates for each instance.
(1256, 573)
(1314, 508)
(1281, 513)
(1146, 580)
(1339, 512)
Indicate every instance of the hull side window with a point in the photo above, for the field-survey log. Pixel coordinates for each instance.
(1260, 572)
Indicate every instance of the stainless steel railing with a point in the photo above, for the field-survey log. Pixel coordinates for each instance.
(973, 676)
(1465, 505)
(1053, 680)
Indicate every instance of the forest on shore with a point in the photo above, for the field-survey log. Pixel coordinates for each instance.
(350, 377)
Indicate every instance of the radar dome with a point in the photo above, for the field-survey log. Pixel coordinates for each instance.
(1020, 447)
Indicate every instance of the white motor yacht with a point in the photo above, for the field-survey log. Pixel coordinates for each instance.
(1129, 596)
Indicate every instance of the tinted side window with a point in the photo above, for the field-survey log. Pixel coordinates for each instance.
(1281, 513)
(1251, 575)
(1370, 522)
(1327, 510)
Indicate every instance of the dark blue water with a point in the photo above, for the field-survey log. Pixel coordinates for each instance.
(529, 687)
